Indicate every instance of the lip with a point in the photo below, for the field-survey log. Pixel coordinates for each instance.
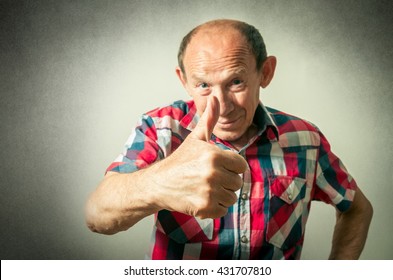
(227, 123)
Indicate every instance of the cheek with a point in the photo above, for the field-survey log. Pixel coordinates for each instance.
(200, 103)
(249, 103)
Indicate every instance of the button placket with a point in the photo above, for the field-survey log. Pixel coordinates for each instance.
(244, 216)
(244, 239)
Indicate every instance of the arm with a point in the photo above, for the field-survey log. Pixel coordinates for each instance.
(198, 179)
(119, 202)
(350, 232)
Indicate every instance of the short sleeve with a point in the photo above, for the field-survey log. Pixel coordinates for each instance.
(334, 185)
(140, 150)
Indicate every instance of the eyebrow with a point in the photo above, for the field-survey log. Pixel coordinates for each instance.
(238, 71)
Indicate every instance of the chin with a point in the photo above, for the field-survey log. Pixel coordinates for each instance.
(228, 136)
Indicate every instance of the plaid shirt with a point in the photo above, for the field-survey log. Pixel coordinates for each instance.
(289, 165)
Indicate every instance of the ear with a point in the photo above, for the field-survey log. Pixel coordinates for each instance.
(181, 76)
(268, 68)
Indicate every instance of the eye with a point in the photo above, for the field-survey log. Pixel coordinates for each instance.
(236, 85)
(203, 85)
(202, 88)
(237, 82)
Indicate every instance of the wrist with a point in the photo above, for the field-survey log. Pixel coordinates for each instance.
(148, 184)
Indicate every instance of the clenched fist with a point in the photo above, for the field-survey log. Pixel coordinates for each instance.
(200, 179)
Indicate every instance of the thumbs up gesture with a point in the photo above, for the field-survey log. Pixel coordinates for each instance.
(200, 179)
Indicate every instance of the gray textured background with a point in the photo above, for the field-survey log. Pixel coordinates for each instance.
(75, 75)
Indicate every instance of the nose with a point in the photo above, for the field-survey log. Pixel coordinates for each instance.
(225, 101)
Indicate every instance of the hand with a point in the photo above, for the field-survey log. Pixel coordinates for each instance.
(200, 179)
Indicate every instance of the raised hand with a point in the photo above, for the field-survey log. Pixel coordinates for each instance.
(200, 179)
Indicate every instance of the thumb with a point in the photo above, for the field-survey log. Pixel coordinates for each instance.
(207, 121)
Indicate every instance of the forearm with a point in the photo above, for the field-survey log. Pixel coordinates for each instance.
(197, 179)
(119, 202)
(351, 230)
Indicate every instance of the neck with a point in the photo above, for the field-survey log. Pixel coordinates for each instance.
(245, 138)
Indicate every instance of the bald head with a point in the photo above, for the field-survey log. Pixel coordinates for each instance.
(214, 30)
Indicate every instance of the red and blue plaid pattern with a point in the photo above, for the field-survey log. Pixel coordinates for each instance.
(290, 164)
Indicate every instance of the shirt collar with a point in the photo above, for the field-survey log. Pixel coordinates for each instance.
(265, 122)
(262, 119)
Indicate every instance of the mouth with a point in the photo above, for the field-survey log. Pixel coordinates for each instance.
(227, 123)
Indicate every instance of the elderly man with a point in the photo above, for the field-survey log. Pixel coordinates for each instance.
(225, 176)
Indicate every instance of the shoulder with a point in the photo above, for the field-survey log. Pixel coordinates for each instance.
(173, 117)
(289, 123)
(293, 130)
(177, 110)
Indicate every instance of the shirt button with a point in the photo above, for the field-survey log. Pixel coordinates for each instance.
(244, 196)
(244, 239)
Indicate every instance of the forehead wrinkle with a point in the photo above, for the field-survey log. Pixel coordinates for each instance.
(215, 54)
(203, 64)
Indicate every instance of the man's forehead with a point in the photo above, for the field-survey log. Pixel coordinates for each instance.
(218, 34)
(214, 46)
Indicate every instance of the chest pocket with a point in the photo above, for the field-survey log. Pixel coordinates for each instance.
(184, 228)
(287, 211)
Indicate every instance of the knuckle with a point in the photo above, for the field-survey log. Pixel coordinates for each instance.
(233, 198)
(230, 199)
(211, 177)
(241, 163)
(212, 154)
(235, 183)
(245, 165)
(238, 181)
